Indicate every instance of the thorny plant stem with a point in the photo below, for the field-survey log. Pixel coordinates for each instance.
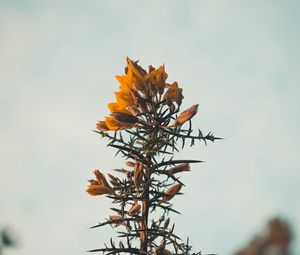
(153, 132)
(146, 203)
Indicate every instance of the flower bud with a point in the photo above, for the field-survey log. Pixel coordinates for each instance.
(172, 191)
(179, 168)
(96, 190)
(102, 126)
(134, 209)
(186, 115)
(118, 220)
(99, 186)
(130, 164)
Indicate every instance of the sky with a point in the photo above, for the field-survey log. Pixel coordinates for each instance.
(238, 59)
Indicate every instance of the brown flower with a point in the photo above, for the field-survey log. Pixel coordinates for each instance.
(130, 164)
(115, 218)
(118, 220)
(186, 115)
(134, 209)
(179, 168)
(160, 250)
(99, 186)
(173, 94)
(172, 191)
(102, 126)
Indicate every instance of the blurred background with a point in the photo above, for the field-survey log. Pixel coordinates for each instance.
(239, 60)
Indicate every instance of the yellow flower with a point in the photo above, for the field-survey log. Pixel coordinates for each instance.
(186, 115)
(117, 107)
(158, 78)
(99, 186)
(113, 124)
(125, 83)
(134, 75)
(124, 97)
(137, 90)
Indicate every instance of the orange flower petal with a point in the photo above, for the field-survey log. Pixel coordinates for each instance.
(158, 78)
(135, 75)
(117, 107)
(113, 124)
(125, 83)
(136, 70)
(124, 97)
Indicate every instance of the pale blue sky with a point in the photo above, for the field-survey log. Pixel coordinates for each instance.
(238, 59)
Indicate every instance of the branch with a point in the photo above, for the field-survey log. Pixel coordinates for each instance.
(174, 162)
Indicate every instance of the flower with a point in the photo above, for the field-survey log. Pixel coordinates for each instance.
(99, 186)
(160, 250)
(115, 218)
(157, 78)
(125, 83)
(113, 124)
(172, 191)
(173, 94)
(134, 209)
(138, 93)
(179, 168)
(124, 97)
(118, 220)
(117, 107)
(186, 115)
(130, 164)
(101, 125)
(134, 74)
